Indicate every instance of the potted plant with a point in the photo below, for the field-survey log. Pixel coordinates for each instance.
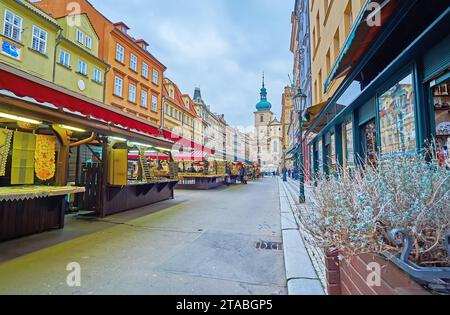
(399, 209)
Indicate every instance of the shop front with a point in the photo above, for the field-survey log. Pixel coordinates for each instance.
(394, 103)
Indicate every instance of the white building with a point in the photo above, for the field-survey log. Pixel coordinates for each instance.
(268, 151)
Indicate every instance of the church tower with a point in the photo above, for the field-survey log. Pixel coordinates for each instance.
(263, 114)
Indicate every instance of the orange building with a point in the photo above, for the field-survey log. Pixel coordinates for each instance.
(135, 82)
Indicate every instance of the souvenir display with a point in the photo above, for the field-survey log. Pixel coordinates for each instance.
(22, 169)
(45, 157)
(5, 145)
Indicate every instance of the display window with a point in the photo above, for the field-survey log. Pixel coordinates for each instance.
(349, 147)
(441, 101)
(370, 143)
(320, 156)
(332, 154)
(397, 118)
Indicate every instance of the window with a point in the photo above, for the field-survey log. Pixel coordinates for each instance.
(154, 103)
(133, 62)
(348, 18)
(120, 53)
(145, 70)
(118, 86)
(132, 93)
(262, 118)
(97, 75)
(337, 44)
(166, 109)
(171, 111)
(328, 61)
(155, 76)
(13, 26)
(350, 153)
(80, 37)
(144, 98)
(397, 124)
(88, 42)
(82, 67)
(39, 41)
(64, 58)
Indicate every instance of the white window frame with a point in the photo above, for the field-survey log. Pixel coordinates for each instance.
(39, 40)
(120, 53)
(88, 41)
(132, 88)
(133, 62)
(13, 26)
(118, 86)
(98, 75)
(154, 103)
(145, 68)
(80, 37)
(144, 99)
(155, 77)
(64, 58)
(82, 67)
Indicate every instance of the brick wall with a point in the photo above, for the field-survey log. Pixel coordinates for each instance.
(350, 277)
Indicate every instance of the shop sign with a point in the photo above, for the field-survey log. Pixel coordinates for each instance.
(11, 50)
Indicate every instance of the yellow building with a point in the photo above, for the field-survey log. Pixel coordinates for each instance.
(27, 38)
(78, 67)
(179, 112)
(330, 24)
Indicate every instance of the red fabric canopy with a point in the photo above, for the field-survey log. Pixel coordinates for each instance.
(23, 87)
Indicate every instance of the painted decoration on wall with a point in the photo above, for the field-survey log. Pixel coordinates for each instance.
(45, 157)
(22, 169)
(11, 50)
(5, 145)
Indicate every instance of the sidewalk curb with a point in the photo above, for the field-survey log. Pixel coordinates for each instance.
(301, 276)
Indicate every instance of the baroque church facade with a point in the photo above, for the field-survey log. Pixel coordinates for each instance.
(267, 137)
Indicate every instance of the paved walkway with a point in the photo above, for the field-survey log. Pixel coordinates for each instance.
(203, 242)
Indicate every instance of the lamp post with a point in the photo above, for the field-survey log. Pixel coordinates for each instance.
(300, 106)
(284, 165)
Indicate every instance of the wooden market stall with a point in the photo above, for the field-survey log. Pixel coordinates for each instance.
(197, 172)
(59, 149)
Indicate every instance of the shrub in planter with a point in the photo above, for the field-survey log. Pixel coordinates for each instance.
(354, 213)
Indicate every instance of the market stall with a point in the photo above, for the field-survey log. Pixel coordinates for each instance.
(138, 175)
(196, 172)
(32, 197)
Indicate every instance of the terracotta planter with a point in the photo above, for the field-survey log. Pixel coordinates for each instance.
(368, 275)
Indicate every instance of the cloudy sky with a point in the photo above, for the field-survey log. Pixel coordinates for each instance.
(221, 46)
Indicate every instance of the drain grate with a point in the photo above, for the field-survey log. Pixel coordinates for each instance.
(269, 245)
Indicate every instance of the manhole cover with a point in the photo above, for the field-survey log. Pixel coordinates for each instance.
(269, 245)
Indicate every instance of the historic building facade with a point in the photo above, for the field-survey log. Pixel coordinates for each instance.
(268, 135)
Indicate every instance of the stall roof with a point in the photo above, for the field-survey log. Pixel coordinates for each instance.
(196, 156)
(362, 36)
(18, 84)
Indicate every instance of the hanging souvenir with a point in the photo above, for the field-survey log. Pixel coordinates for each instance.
(45, 157)
(22, 168)
(5, 144)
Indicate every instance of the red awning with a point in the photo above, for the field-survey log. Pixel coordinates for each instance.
(196, 156)
(25, 86)
(149, 156)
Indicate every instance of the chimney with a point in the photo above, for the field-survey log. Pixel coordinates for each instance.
(143, 44)
(122, 27)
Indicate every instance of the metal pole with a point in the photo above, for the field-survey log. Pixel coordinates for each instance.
(284, 166)
(302, 198)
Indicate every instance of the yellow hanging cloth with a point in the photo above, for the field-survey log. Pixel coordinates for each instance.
(22, 169)
(45, 157)
(5, 145)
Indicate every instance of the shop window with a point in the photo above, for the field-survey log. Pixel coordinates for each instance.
(441, 101)
(370, 148)
(332, 154)
(320, 157)
(349, 147)
(397, 123)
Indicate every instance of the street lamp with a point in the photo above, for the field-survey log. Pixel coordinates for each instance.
(300, 106)
(284, 164)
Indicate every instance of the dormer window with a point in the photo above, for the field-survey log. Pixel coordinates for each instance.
(171, 92)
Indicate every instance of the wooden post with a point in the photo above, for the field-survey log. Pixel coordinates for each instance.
(104, 178)
(62, 163)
